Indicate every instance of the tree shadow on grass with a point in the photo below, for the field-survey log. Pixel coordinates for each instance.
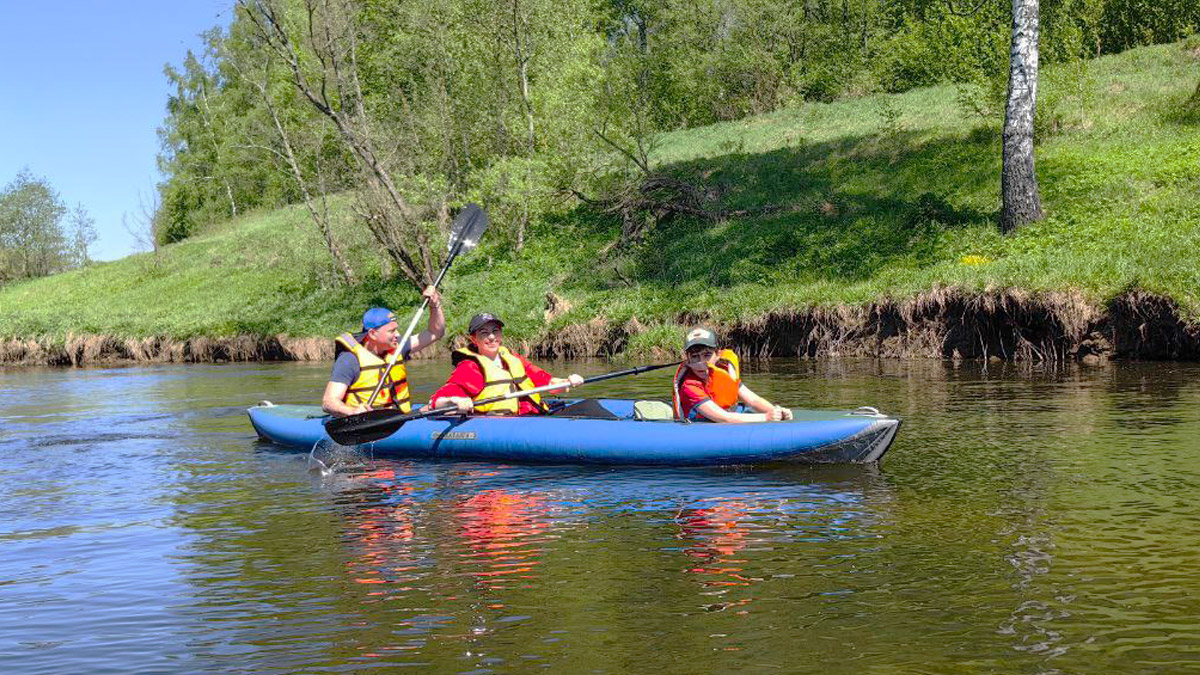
(835, 211)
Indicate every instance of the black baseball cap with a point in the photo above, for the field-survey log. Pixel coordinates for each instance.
(482, 319)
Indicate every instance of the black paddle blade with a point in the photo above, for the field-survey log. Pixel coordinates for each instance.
(367, 427)
(468, 228)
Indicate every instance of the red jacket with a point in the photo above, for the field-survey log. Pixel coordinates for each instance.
(692, 392)
(467, 381)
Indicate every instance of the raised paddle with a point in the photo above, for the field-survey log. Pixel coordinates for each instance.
(376, 424)
(468, 227)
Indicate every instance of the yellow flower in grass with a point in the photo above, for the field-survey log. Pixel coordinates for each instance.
(975, 259)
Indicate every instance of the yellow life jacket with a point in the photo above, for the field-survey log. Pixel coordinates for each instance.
(724, 380)
(393, 394)
(499, 381)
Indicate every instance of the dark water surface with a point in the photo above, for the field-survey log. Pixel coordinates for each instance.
(1027, 520)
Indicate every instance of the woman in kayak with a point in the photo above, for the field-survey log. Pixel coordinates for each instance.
(708, 385)
(486, 368)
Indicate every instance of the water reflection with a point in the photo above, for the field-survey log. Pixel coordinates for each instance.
(503, 533)
(716, 533)
(1029, 519)
(483, 546)
(381, 531)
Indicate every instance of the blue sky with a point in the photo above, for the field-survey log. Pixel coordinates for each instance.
(82, 94)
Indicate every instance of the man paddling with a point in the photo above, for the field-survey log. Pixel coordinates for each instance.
(362, 357)
(486, 368)
(708, 385)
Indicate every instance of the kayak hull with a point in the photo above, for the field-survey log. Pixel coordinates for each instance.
(814, 437)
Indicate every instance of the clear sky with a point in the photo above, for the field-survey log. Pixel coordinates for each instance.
(82, 94)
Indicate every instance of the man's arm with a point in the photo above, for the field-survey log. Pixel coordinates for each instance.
(345, 371)
(437, 323)
(333, 402)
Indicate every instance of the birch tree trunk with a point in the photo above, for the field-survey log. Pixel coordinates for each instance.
(521, 52)
(1021, 203)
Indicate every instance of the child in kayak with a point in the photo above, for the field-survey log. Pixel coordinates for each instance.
(708, 385)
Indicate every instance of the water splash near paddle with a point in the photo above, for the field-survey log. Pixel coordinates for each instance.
(328, 457)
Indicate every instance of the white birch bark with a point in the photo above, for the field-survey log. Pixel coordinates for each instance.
(1021, 203)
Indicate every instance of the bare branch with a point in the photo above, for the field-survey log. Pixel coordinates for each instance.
(329, 30)
(641, 163)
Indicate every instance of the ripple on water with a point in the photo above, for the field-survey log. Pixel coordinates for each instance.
(1027, 520)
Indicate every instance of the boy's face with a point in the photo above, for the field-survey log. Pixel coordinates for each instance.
(699, 358)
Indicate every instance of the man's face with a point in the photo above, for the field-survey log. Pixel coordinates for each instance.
(487, 340)
(386, 336)
(699, 358)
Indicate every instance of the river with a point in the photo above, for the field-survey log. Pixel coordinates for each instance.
(1028, 519)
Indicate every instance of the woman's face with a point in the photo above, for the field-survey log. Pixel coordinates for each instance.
(487, 340)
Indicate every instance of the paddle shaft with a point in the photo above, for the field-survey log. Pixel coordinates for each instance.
(536, 390)
(412, 325)
(374, 429)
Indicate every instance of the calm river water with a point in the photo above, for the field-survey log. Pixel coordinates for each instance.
(1027, 520)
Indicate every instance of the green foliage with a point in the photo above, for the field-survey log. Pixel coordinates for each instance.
(220, 151)
(945, 48)
(1067, 95)
(81, 234)
(1128, 23)
(840, 209)
(38, 235)
(478, 96)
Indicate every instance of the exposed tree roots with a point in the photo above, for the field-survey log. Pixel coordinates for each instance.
(1007, 325)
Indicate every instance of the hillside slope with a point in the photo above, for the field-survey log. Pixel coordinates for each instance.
(875, 200)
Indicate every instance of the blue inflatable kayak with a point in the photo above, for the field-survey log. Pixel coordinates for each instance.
(615, 437)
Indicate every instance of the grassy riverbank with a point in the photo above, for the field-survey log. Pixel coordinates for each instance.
(884, 197)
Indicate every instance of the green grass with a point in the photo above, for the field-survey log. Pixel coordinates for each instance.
(883, 196)
(868, 211)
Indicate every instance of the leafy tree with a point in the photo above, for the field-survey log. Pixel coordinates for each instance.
(317, 44)
(81, 234)
(414, 106)
(216, 148)
(32, 241)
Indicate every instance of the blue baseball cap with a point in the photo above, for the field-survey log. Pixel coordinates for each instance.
(376, 317)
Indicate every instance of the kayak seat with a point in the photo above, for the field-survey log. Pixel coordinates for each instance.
(653, 411)
(588, 408)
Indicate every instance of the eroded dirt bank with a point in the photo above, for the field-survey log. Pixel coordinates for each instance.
(943, 323)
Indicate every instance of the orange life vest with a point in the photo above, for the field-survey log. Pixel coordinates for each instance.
(724, 380)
